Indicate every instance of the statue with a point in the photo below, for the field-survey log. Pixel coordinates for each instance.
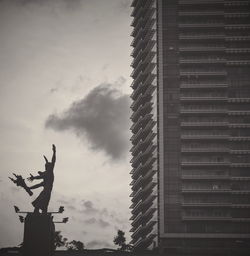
(42, 201)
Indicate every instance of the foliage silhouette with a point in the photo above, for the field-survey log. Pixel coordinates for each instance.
(75, 246)
(59, 240)
(120, 240)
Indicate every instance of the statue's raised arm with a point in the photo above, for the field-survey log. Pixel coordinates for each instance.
(53, 160)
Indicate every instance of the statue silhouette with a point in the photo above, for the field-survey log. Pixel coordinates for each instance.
(42, 201)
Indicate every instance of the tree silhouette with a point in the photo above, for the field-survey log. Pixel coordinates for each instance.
(75, 246)
(59, 240)
(120, 240)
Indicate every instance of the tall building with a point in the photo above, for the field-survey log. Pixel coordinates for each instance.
(191, 119)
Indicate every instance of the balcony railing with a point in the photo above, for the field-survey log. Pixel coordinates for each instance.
(205, 137)
(188, 2)
(136, 222)
(208, 218)
(137, 207)
(203, 73)
(196, 36)
(202, 61)
(202, 49)
(210, 204)
(203, 124)
(201, 163)
(201, 13)
(204, 85)
(207, 190)
(203, 111)
(205, 177)
(201, 25)
(239, 138)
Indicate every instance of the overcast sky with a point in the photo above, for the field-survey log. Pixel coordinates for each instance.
(64, 79)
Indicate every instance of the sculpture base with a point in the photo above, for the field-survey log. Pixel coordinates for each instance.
(39, 231)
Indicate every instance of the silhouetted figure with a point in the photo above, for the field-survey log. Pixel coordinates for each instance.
(42, 201)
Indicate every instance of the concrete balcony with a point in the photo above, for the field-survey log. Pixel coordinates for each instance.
(202, 61)
(240, 178)
(141, 122)
(204, 150)
(205, 137)
(244, 165)
(201, 25)
(191, 2)
(240, 152)
(202, 73)
(203, 111)
(137, 206)
(207, 218)
(240, 192)
(141, 111)
(241, 205)
(239, 112)
(143, 97)
(144, 243)
(143, 229)
(237, 50)
(238, 38)
(136, 222)
(205, 177)
(238, 100)
(201, 13)
(137, 182)
(238, 62)
(138, 158)
(203, 98)
(207, 190)
(239, 125)
(201, 163)
(203, 85)
(149, 212)
(211, 204)
(237, 26)
(204, 124)
(241, 220)
(136, 193)
(202, 49)
(136, 171)
(239, 138)
(142, 167)
(142, 180)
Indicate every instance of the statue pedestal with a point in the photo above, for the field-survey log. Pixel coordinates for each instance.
(39, 231)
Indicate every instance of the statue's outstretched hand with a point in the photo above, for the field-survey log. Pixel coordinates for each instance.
(31, 178)
(53, 147)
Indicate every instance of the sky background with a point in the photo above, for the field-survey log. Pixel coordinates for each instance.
(65, 79)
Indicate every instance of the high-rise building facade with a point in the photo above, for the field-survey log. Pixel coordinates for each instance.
(191, 126)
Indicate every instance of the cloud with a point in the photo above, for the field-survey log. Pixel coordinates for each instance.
(102, 117)
(103, 223)
(98, 244)
(67, 3)
(100, 222)
(89, 208)
(90, 221)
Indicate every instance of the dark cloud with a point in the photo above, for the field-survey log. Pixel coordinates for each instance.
(67, 3)
(102, 117)
(100, 222)
(124, 4)
(98, 244)
(88, 207)
(103, 223)
(90, 221)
